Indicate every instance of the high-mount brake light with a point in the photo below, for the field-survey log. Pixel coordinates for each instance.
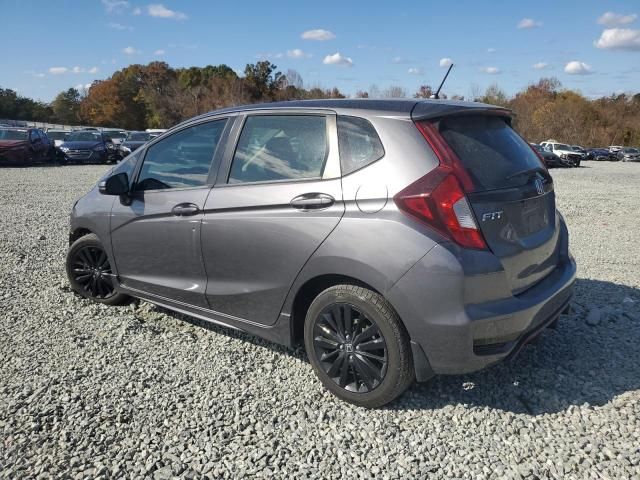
(438, 199)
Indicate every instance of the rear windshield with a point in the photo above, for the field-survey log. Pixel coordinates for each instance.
(491, 152)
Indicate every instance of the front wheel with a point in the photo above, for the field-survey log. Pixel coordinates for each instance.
(358, 346)
(90, 273)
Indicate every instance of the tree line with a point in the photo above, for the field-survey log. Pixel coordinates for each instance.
(159, 96)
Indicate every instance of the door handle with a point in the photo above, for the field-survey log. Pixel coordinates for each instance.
(312, 201)
(185, 209)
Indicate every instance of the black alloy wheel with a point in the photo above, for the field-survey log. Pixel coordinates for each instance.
(358, 346)
(92, 271)
(351, 348)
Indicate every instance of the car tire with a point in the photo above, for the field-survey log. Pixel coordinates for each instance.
(358, 346)
(90, 274)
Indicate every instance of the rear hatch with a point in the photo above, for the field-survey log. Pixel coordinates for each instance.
(510, 193)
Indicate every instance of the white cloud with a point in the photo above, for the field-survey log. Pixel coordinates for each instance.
(159, 52)
(318, 34)
(130, 51)
(611, 19)
(39, 75)
(93, 70)
(578, 68)
(414, 71)
(115, 6)
(445, 62)
(297, 53)
(540, 65)
(81, 86)
(58, 70)
(619, 39)
(338, 59)
(490, 70)
(119, 26)
(136, 11)
(529, 23)
(491, 50)
(160, 11)
(268, 55)
(77, 70)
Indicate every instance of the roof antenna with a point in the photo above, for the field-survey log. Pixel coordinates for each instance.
(437, 94)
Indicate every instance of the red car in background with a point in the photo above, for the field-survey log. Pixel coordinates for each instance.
(23, 145)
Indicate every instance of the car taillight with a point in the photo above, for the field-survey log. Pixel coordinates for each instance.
(438, 199)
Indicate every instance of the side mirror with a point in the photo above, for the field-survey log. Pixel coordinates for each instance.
(115, 185)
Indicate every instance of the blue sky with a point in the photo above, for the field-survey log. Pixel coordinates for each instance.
(592, 46)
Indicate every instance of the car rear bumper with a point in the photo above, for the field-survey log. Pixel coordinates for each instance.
(454, 336)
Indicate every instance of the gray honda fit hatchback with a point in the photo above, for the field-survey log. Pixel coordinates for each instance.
(395, 239)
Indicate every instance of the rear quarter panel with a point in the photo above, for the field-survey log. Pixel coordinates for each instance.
(374, 242)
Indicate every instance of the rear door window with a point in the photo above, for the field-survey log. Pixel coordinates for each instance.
(490, 150)
(280, 147)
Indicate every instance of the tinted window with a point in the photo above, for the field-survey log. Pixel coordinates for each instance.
(138, 136)
(181, 160)
(489, 149)
(279, 147)
(13, 134)
(86, 136)
(358, 142)
(55, 135)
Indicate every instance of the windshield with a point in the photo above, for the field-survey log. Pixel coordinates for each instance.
(13, 134)
(116, 134)
(138, 136)
(57, 135)
(631, 150)
(83, 137)
(562, 146)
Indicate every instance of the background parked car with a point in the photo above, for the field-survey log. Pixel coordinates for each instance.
(57, 136)
(564, 151)
(581, 151)
(601, 154)
(629, 154)
(133, 141)
(155, 132)
(117, 135)
(615, 148)
(88, 146)
(551, 160)
(20, 145)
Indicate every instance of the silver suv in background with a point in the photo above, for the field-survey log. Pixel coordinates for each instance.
(395, 239)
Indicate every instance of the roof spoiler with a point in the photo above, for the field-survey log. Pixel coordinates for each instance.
(426, 110)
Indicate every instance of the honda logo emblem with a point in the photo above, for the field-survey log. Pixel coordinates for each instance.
(539, 186)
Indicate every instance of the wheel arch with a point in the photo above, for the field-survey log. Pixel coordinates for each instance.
(78, 233)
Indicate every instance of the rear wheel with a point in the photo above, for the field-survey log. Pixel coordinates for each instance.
(358, 346)
(90, 273)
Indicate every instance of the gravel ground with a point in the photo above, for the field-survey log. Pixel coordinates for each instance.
(88, 391)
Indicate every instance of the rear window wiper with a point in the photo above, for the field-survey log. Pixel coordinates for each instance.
(528, 171)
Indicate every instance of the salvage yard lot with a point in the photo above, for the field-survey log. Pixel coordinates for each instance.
(90, 391)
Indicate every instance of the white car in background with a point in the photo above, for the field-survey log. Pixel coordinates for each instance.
(564, 151)
(57, 136)
(155, 132)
